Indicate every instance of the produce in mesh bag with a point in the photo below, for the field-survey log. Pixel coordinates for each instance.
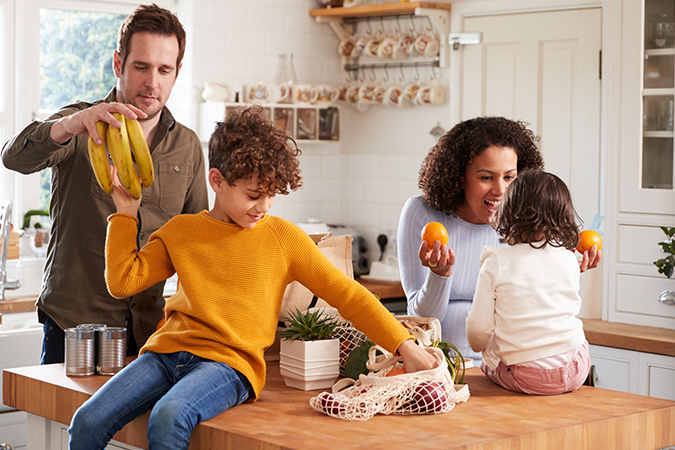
(424, 392)
(357, 360)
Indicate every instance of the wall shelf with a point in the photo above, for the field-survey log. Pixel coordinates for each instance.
(309, 123)
(387, 9)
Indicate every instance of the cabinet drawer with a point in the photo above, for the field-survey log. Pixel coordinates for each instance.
(638, 244)
(638, 294)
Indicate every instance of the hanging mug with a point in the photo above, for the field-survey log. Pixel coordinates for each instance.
(393, 96)
(427, 45)
(431, 94)
(386, 48)
(404, 47)
(346, 46)
(410, 91)
(359, 46)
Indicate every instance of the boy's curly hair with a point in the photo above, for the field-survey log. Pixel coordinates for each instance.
(537, 207)
(443, 169)
(248, 144)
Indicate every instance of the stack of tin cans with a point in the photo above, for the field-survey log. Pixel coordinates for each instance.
(95, 348)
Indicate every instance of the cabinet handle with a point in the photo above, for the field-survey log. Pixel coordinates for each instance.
(667, 297)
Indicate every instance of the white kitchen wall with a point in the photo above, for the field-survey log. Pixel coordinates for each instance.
(363, 180)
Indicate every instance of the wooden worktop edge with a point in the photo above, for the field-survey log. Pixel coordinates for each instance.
(630, 337)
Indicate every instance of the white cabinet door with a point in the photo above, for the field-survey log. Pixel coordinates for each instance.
(543, 68)
(616, 369)
(13, 429)
(634, 197)
(657, 376)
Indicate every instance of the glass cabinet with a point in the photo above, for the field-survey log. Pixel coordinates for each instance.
(658, 94)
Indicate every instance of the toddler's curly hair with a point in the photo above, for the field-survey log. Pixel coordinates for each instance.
(443, 169)
(248, 144)
(537, 208)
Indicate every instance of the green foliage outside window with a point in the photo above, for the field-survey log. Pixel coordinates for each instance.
(76, 50)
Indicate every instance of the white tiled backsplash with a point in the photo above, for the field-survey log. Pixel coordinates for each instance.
(364, 179)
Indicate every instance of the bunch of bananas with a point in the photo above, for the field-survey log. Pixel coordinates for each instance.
(118, 140)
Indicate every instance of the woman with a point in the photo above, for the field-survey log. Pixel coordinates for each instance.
(463, 179)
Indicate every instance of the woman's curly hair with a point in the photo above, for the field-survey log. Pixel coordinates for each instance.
(537, 207)
(440, 176)
(248, 144)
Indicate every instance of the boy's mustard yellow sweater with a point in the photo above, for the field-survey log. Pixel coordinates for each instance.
(231, 284)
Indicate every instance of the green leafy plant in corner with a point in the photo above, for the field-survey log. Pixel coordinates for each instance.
(666, 265)
(308, 326)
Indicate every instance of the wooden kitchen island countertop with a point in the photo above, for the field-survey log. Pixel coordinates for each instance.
(589, 418)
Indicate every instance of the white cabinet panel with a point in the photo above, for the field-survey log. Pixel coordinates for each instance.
(632, 248)
(616, 369)
(639, 294)
(13, 429)
(657, 376)
(634, 372)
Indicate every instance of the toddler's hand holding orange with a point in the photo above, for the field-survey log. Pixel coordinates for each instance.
(587, 239)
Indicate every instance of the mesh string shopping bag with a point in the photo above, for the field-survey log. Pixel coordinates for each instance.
(424, 392)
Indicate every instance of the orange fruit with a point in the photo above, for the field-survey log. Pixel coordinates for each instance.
(395, 371)
(587, 239)
(434, 231)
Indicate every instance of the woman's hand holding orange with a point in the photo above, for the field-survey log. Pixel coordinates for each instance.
(439, 258)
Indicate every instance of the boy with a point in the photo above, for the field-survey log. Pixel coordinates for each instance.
(234, 263)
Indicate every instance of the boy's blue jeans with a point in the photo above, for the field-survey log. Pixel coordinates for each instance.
(182, 389)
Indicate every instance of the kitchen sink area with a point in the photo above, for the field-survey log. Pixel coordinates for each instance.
(20, 339)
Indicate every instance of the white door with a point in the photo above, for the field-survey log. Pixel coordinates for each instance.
(544, 68)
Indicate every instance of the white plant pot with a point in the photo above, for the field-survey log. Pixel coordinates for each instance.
(310, 365)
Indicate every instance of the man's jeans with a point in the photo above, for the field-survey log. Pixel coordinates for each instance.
(53, 341)
(182, 389)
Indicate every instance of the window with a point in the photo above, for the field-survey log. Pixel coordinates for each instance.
(76, 50)
(6, 89)
(64, 52)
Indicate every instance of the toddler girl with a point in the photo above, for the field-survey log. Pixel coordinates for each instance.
(523, 316)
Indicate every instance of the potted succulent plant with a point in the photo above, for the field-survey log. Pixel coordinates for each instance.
(309, 355)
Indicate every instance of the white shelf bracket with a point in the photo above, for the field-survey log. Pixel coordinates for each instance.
(340, 29)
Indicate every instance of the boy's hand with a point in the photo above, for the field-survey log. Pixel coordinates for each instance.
(415, 358)
(124, 201)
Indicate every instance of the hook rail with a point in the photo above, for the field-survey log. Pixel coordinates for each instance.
(356, 67)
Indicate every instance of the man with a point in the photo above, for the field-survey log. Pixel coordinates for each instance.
(146, 63)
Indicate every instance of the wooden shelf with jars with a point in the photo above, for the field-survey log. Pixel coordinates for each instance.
(310, 123)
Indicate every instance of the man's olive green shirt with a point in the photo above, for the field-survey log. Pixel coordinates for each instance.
(73, 288)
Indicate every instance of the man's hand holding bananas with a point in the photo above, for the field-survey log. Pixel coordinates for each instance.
(121, 142)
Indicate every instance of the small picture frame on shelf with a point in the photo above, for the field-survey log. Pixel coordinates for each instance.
(307, 124)
(329, 124)
(283, 120)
